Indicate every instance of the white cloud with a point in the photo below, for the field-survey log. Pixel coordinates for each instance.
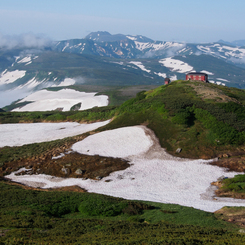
(27, 40)
(7, 97)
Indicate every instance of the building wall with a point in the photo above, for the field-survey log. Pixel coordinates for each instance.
(196, 77)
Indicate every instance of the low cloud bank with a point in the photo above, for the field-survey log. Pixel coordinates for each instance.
(28, 40)
(238, 60)
(7, 97)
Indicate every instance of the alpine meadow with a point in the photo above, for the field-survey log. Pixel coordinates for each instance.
(104, 140)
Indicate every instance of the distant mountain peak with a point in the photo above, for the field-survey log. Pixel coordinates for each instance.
(104, 36)
(236, 43)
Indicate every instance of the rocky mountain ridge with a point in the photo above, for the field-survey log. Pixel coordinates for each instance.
(117, 60)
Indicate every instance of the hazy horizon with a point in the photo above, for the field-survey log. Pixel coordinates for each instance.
(178, 20)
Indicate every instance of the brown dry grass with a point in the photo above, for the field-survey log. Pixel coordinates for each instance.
(210, 93)
(235, 215)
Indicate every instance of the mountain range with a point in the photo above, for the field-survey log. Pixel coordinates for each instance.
(118, 60)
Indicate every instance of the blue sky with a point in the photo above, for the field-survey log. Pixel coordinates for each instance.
(175, 20)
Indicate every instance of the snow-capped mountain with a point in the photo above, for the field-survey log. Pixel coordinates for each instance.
(128, 46)
(122, 60)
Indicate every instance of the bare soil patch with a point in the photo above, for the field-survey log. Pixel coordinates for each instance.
(72, 165)
(210, 93)
(235, 215)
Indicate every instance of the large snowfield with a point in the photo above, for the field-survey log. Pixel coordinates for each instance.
(153, 175)
(64, 99)
(28, 133)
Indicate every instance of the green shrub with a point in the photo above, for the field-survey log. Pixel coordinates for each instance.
(184, 117)
(101, 206)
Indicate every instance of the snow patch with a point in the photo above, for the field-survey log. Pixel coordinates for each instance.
(11, 76)
(128, 145)
(157, 45)
(66, 82)
(154, 175)
(25, 60)
(45, 100)
(164, 75)
(28, 133)
(222, 79)
(30, 84)
(131, 38)
(66, 46)
(140, 65)
(176, 65)
(207, 72)
(174, 78)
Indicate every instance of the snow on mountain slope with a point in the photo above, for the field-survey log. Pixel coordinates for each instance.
(64, 99)
(66, 82)
(176, 65)
(222, 51)
(25, 60)
(7, 77)
(140, 65)
(154, 46)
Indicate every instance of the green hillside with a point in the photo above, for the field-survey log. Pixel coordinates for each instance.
(63, 217)
(204, 120)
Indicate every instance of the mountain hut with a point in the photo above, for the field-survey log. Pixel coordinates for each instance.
(197, 76)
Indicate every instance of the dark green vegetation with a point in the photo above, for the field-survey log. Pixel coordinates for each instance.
(94, 114)
(236, 184)
(58, 217)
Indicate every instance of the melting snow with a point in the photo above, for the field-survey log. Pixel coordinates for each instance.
(140, 65)
(30, 84)
(66, 82)
(164, 75)
(228, 51)
(66, 46)
(173, 78)
(28, 133)
(176, 65)
(25, 60)
(153, 175)
(158, 46)
(45, 100)
(221, 79)
(11, 76)
(207, 72)
(132, 38)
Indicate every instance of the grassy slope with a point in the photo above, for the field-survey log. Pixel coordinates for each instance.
(204, 120)
(174, 112)
(31, 216)
(181, 116)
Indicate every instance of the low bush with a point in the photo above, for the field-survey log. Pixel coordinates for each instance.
(101, 206)
(236, 184)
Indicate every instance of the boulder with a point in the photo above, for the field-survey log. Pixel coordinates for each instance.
(65, 170)
(178, 150)
(79, 171)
